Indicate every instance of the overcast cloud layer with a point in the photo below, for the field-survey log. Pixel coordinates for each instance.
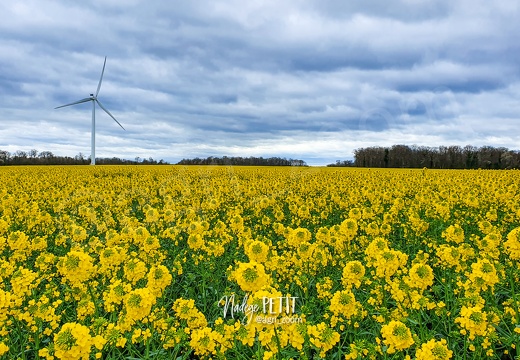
(312, 80)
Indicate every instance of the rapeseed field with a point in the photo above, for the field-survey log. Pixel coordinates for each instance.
(172, 262)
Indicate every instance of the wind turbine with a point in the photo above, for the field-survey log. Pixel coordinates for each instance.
(94, 100)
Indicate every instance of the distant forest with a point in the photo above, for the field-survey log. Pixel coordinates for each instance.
(243, 161)
(442, 157)
(33, 157)
(397, 156)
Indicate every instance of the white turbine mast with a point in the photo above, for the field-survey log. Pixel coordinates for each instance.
(94, 100)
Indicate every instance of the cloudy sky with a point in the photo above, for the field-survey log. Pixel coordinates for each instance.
(303, 79)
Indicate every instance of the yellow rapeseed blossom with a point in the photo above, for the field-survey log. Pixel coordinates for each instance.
(352, 274)
(3, 348)
(420, 276)
(349, 228)
(74, 341)
(483, 274)
(138, 303)
(388, 262)
(159, 278)
(76, 267)
(256, 251)
(299, 236)
(323, 337)
(203, 341)
(135, 270)
(454, 233)
(23, 281)
(344, 303)
(396, 336)
(251, 276)
(434, 350)
(512, 245)
(473, 321)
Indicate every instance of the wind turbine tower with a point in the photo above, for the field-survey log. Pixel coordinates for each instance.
(94, 99)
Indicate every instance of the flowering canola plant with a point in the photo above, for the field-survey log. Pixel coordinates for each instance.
(120, 262)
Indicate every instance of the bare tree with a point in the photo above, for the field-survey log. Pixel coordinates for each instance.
(4, 157)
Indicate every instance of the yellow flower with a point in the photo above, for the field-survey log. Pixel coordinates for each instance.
(257, 251)
(388, 262)
(396, 336)
(186, 310)
(78, 233)
(323, 287)
(372, 229)
(434, 350)
(305, 250)
(115, 294)
(353, 273)
(473, 320)
(140, 234)
(111, 258)
(375, 248)
(323, 337)
(72, 342)
(344, 303)
(138, 303)
(5, 303)
(23, 281)
(298, 236)
(113, 335)
(76, 267)
(483, 274)
(135, 270)
(512, 245)
(3, 348)
(454, 233)
(355, 214)
(449, 256)
(108, 248)
(150, 244)
(485, 226)
(237, 224)
(349, 228)
(268, 355)
(151, 215)
(159, 278)
(420, 276)
(19, 243)
(44, 353)
(251, 276)
(195, 241)
(203, 341)
(489, 245)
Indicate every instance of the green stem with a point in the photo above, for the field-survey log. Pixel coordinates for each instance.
(37, 340)
(517, 314)
(278, 354)
(147, 353)
(96, 307)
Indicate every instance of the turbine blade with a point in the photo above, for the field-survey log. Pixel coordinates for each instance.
(108, 112)
(101, 78)
(76, 102)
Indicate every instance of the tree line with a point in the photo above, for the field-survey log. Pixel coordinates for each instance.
(33, 157)
(442, 157)
(243, 161)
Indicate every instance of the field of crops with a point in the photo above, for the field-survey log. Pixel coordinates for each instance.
(168, 262)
